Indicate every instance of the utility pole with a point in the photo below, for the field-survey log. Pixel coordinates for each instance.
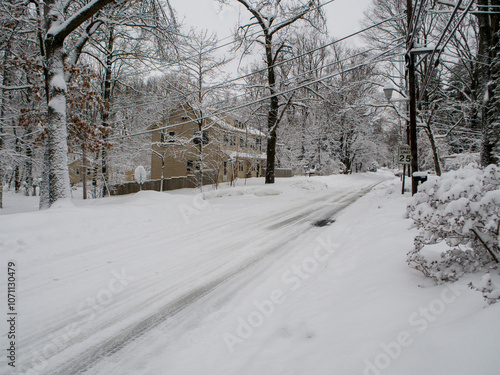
(411, 94)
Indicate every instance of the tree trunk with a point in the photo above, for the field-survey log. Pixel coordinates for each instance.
(488, 26)
(435, 156)
(495, 101)
(55, 179)
(200, 151)
(2, 114)
(105, 114)
(272, 117)
(84, 173)
(55, 176)
(95, 175)
(28, 170)
(271, 141)
(162, 172)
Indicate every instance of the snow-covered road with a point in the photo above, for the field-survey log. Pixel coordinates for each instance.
(95, 278)
(180, 283)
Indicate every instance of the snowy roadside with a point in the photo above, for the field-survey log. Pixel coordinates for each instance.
(337, 299)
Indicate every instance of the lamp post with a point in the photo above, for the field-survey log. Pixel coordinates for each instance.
(388, 90)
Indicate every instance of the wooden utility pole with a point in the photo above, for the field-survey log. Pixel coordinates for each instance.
(411, 94)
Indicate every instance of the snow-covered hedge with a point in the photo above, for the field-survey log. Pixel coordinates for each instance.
(460, 209)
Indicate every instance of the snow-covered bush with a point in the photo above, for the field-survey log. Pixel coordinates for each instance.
(373, 166)
(454, 162)
(140, 175)
(491, 292)
(462, 209)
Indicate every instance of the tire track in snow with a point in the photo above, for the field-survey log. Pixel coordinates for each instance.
(287, 227)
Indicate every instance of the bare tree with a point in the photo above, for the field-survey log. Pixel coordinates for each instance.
(16, 89)
(134, 34)
(203, 77)
(274, 18)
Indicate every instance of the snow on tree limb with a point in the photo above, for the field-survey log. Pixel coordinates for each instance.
(58, 32)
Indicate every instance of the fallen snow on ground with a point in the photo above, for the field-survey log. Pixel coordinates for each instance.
(183, 283)
(259, 191)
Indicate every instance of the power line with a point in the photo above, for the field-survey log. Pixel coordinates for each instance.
(278, 63)
(223, 45)
(433, 67)
(275, 65)
(231, 109)
(281, 82)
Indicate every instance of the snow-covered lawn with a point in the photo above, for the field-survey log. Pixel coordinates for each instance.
(307, 276)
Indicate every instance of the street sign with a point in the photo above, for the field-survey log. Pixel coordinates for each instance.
(404, 154)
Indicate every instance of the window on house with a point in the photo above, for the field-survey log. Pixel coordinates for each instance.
(226, 139)
(201, 137)
(205, 137)
(198, 165)
(88, 171)
(242, 143)
(162, 137)
(171, 135)
(189, 166)
(258, 144)
(184, 118)
(240, 167)
(77, 171)
(196, 137)
(233, 140)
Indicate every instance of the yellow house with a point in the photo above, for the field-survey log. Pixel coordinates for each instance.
(77, 168)
(215, 148)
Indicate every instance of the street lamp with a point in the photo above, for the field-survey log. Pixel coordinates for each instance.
(388, 90)
(388, 93)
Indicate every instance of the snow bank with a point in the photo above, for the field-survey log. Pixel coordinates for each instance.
(259, 191)
(308, 184)
(461, 210)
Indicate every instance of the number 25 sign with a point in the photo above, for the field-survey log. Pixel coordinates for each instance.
(404, 155)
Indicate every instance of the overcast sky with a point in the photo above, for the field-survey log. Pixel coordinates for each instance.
(343, 16)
